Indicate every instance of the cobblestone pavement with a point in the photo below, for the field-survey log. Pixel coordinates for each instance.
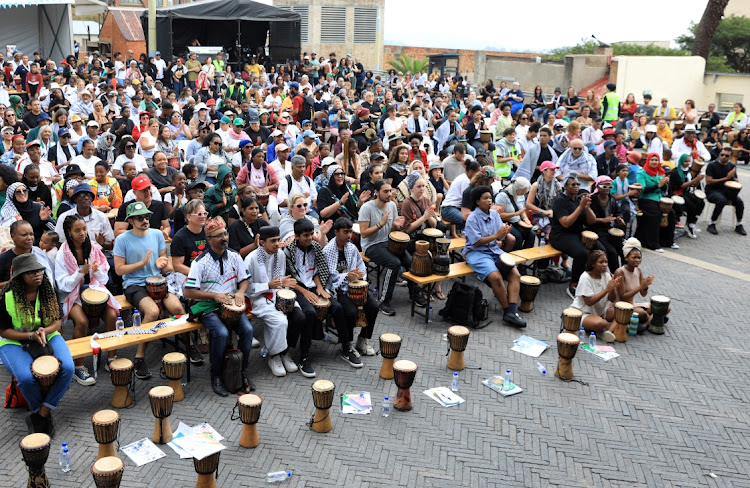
(670, 411)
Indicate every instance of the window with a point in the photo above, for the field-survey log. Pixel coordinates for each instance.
(333, 25)
(303, 12)
(727, 101)
(365, 25)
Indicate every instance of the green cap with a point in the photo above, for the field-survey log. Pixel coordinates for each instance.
(137, 208)
(238, 121)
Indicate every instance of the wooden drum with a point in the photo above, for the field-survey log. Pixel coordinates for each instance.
(623, 311)
(358, 296)
(732, 190)
(421, 262)
(162, 399)
(506, 263)
(321, 308)
(458, 337)
(529, 289)
(398, 242)
(571, 319)
(45, 369)
(107, 472)
(285, 301)
(174, 366)
(106, 424)
(403, 375)
(322, 393)
(695, 167)
(660, 308)
(616, 233)
(442, 246)
(206, 468)
(249, 407)
(567, 346)
(432, 235)
(94, 303)
(390, 344)
(665, 206)
(156, 287)
(230, 314)
(589, 239)
(35, 451)
(121, 372)
(441, 265)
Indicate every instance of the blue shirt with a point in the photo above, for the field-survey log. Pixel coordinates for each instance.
(134, 248)
(479, 225)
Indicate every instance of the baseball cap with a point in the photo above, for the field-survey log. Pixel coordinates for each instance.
(35, 142)
(74, 169)
(276, 132)
(140, 182)
(609, 143)
(294, 84)
(310, 134)
(196, 184)
(548, 165)
(282, 147)
(327, 161)
(136, 208)
(305, 122)
(650, 128)
(609, 132)
(238, 121)
(210, 102)
(377, 155)
(63, 132)
(225, 120)
(92, 123)
(283, 121)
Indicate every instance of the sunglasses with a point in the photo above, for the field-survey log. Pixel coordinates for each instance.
(22, 191)
(301, 205)
(574, 184)
(338, 174)
(524, 118)
(199, 214)
(140, 218)
(216, 143)
(577, 148)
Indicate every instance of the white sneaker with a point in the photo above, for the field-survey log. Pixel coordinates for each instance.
(363, 346)
(256, 343)
(289, 365)
(277, 368)
(675, 246)
(607, 336)
(691, 233)
(659, 250)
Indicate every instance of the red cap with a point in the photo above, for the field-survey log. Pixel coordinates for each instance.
(609, 132)
(142, 113)
(180, 60)
(283, 121)
(140, 182)
(211, 101)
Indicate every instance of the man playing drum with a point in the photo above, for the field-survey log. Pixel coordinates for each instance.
(140, 253)
(717, 174)
(219, 277)
(267, 267)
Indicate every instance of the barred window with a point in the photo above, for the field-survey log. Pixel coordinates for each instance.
(333, 25)
(365, 25)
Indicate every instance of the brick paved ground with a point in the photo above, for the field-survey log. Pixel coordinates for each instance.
(669, 411)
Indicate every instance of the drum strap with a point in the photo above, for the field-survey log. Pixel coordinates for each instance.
(312, 419)
(234, 409)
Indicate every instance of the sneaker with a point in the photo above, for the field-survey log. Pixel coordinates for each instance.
(607, 336)
(363, 346)
(400, 281)
(195, 356)
(571, 292)
(277, 367)
(514, 320)
(306, 368)
(203, 344)
(675, 246)
(107, 363)
(386, 308)
(83, 377)
(289, 365)
(256, 343)
(419, 300)
(740, 230)
(658, 249)
(690, 231)
(679, 225)
(712, 229)
(350, 357)
(141, 370)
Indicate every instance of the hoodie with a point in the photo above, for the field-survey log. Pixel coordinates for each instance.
(213, 196)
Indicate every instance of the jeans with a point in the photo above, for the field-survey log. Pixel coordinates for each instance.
(380, 255)
(18, 363)
(219, 334)
(452, 215)
(346, 331)
(539, 112)
(720, 200)
(570, 243)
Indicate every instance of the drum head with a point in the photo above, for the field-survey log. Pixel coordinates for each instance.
(399, 236)
(105, 417)
(700, 194)
(589, 235)
(322, 385)
(121, 364)
(636, 186)
(530, 280)
(107, 465)
(390, 337)
(155, 280)
(45, 365)
(572, 312)
(666, 201)
(287, 294)
(35, 441)
(616, 232)
(250, 400)
(161, 391)
(507, 259)
(624, 305)
(355, 228)
(458, 330)
(405, 365)
(432, 233)
(174, 357)
(733, 184)
(660, 298)
(359, 284)
(234, 308)
(94, 296)
(567, 338)
(678, 200)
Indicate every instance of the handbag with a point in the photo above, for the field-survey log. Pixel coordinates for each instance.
(36, 350)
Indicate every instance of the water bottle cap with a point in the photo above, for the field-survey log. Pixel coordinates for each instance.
(65, 449)
(593, 333)
(65, 444)
(455, 373)
(507, 371)
(288, 474)
(136, 311)
(544, 371)
(119, 318)
(386, 397)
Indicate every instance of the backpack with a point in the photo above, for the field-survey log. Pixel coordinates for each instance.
(232, 371)
(458, 313)
(13, 396)
(289, 183)
(308, 109)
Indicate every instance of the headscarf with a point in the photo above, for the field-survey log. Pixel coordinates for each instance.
(14, 101)
(557, 143)
(104, 149)
(629, 245)
(682, 159)
(546, 192)
(11, 207)
(653, 171)
(338, 191)
(255, 151)
(412, 178)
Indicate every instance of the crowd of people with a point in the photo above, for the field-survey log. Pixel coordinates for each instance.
(265, 187)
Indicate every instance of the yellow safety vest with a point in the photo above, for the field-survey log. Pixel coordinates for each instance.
(21, 324)
(613, 106)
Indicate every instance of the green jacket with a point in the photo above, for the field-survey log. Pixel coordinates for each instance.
(213, 196)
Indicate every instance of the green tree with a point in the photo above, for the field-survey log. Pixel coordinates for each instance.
(404, 63)
(587, 46)
(730, 48)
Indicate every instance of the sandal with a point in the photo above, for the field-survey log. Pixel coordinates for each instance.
(438, 294)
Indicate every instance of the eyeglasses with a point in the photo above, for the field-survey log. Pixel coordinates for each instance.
(35, 273)
(199, 214)
(301, 205)
(140, 218)
(338, 174)
(130, 146)
(10, 115)
(724, 155)
(22, 191)
(577, 148)
(223, 234)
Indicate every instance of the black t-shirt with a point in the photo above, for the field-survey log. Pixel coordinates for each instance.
(258, 137)
(341, 265)
(159, 214)
(188, 245)
(600, 213)
(6, 261)
(544, 155)
(397, 177)
(160, 181)
(30, 119)
(717, 171)
(604, 166)
(178, 218)
(241, 235)
(326, 198)
(562, 206)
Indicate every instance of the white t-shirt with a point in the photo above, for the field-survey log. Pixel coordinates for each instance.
(588, 287)
(281, 172)
(147, 153)
(304, 186)
(140, 162)
(86, 165)
(161, 65)
(119, 70)
(130, 196)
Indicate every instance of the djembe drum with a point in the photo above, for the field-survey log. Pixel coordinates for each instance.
(616, 233)
(173, 364)
(398, 242)
(121, 373)
(321, 307)
(589, 239)
(458, 337)
(623, 312)
(45, 369)
(571, 320)
(732, 190)
(421, 262)
(206, 468)
(442, 246)
(322, 393)
(230, 314)
(107, 472)
(665, 206)
(285, 301)
(432, 235)
(390, 344)
(529, 289)
(659, 309)
(162, 399)
(567, 346)
(441, 265)
(94, 303)
(637, 188)
(358, 296)
(156, 287)
(35, 451)
(249, 407)
(505, 263)
(695, 167)
(106, 424)
(403, 375)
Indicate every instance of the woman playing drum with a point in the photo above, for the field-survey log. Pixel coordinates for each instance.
(595, 288)
(634, 282)
(651, 176)
(512, 207)
(80, 266)
(541, 195)
(607, 218)
(682, 183)
(29, 314)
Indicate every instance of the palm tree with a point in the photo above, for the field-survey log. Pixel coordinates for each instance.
(406, 64)
(710, 21)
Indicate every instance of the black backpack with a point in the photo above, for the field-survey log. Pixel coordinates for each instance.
(232, 372)
(457, 313)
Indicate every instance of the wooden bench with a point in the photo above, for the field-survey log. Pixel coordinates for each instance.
(535, 254)
(426, 284)
(124, 303)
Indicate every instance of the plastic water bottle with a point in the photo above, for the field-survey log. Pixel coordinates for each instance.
(543, 244)
(508, 380)
(278, 476)
(136, 318)
(264, 352)
(582, 334)
(592, 341)
(120, 327)
(454, 383)
(386, 407)
(64, 457)
(540, 368)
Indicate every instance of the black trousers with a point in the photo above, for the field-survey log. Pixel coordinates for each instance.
(345, 328)
(693, 208)
(302, 325)
(649, 230)
(380, 255)
(613, 248)
(525, 238)
(719, 199)
(570, 244)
